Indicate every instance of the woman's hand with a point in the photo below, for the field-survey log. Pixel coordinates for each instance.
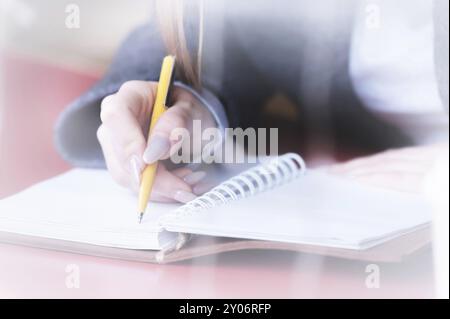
(125, 119)
(403, 169)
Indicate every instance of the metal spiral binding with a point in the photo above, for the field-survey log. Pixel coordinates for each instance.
(259, 179)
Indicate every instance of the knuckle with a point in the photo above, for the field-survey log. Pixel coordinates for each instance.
(107, 100)
(108, 110)
(107, 115)
(101, 134)
(140, 87)
(130, 85)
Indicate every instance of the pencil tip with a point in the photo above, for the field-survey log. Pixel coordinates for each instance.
(141, 215)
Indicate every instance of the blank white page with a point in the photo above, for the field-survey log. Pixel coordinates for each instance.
(84, 206)
(314, 209)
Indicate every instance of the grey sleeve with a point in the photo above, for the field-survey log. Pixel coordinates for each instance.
(211, 102)
(441, 27)
(139, 58)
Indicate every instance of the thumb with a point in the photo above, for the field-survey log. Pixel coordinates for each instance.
(168, 134)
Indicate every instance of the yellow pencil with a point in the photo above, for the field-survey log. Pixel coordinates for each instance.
(159, 107)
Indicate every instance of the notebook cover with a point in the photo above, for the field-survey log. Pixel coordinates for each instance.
(393, 251)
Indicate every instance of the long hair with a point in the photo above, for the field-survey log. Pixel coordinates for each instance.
(171, 16)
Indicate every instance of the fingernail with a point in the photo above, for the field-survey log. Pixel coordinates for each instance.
(184, 197)
(201, 189)
(195, 177)
(158, 147)
(136, 169)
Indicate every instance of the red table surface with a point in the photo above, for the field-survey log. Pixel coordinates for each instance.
(34, 95)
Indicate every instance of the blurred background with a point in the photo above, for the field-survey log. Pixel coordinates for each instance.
(37, 30)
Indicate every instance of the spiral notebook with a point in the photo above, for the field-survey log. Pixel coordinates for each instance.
(278, 201)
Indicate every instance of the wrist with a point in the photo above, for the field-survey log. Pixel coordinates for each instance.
(194, 108)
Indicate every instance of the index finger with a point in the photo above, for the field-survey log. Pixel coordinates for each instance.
(126, 114)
